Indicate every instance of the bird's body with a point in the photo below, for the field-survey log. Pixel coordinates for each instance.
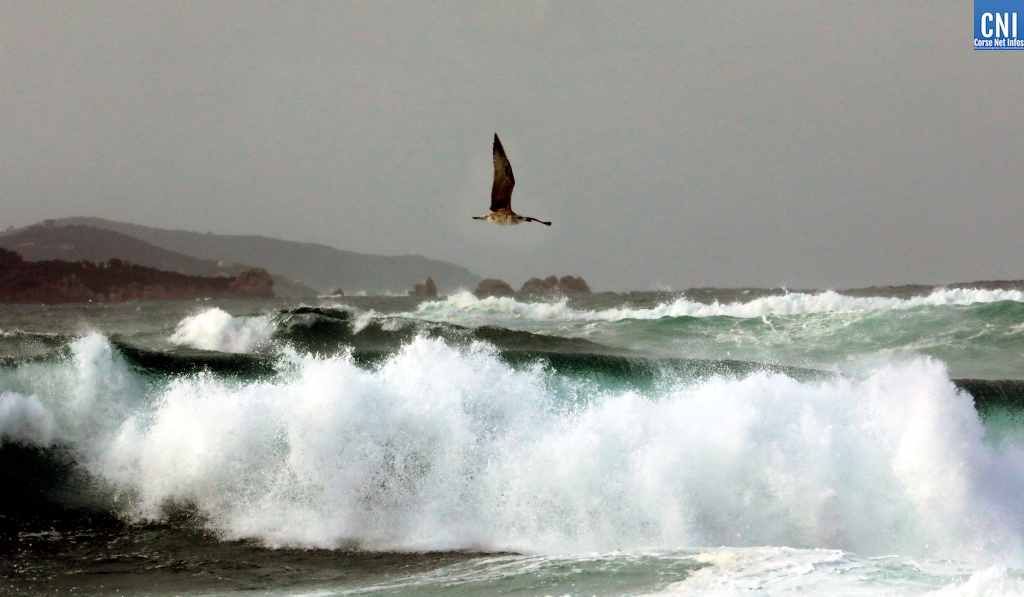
(501, 192)
(502, 217)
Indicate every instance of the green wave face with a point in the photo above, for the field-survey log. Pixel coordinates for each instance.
(976, 341)
(982, 341)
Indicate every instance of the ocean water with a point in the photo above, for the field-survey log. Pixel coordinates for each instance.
(617, 444)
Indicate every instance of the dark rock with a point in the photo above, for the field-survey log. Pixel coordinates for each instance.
(254, 283)
(493, 287)
(573, 285)
(538, 286)
(338, 292)
(554, 285)
(427, 288)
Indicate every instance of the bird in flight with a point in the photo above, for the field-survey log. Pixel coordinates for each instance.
(501, 192)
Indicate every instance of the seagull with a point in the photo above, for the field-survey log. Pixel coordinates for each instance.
(501, 192)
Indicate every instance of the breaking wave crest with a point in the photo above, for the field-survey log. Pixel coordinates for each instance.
(440, 447)
(215, 329)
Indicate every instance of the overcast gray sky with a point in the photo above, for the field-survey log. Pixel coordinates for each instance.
(675, 144)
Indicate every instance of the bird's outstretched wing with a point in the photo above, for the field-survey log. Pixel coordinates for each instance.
(501, 190)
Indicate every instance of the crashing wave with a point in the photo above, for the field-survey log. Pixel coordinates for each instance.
(216, 329)
(447, 448)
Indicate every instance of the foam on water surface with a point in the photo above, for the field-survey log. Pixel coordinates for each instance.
(678, 573)
(464, 305)
(785, 571)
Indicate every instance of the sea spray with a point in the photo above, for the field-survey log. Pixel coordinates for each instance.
(24, 420)
(448, 448)
(337, 454)
(89, 394)
(215, 329)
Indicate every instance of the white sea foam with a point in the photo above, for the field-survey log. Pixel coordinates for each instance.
(466, 306)
(990, 582)
(24, 420)
(363, 319)
(89, 396)
(443, 448)
(785, 571)
(215, 329)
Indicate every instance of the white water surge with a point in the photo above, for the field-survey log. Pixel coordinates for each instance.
(441, 448)
(466, 307)
(216, 329)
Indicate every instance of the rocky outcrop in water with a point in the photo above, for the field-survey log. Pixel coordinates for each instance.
(538, 286)
(555, 285)
(573, 285)
(427, 289)
(493, 287)
(117, 281)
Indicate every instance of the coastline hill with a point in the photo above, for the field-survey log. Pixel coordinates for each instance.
(57, 281)
(320, 266)
(49, 242)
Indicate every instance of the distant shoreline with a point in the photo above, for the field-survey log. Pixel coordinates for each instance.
(116, 281)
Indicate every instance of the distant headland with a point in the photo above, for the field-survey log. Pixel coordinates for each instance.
(56, 281)
(298, 269)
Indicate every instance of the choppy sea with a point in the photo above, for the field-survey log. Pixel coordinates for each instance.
(732, 443)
